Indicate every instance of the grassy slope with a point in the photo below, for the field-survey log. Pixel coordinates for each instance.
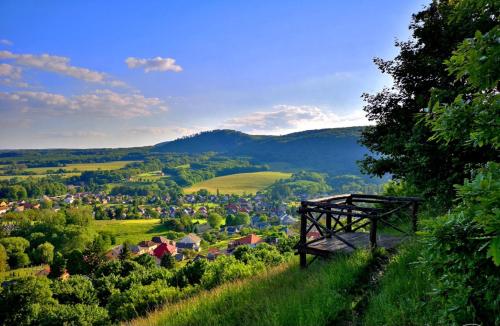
(239, 183)
(286, 295)
(404, 288)
(133, 230)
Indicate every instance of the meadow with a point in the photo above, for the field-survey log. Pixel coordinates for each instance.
(70, 170)
(132, 230)
(239, 183)
(285, 295)
(81, 167)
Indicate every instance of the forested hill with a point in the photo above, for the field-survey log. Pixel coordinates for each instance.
(330, 150)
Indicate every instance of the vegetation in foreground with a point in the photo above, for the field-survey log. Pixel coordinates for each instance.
(285, 295)
(239, 183)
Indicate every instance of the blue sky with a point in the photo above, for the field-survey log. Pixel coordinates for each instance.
(130, 73)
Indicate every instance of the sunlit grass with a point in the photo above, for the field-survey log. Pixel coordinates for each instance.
(239, 183)
(285, 295)
(132, 230)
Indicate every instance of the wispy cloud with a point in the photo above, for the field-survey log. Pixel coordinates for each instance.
(6, 42)
(167, 132)
(153, 64)
(60, 65)
(11, 75)
(288, 118)
(74, 134)
(99, 103)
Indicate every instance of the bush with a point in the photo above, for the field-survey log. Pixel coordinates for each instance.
(140, 299)
(21, 299)
(457, 253)
(78, 289)
(225, 269)
(78, 314)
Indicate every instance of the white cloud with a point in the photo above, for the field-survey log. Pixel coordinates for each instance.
(11, 75)
(153, 64)
(99, 103)
(60, 65)
(166, 132)
(6, 42)
(288, 118)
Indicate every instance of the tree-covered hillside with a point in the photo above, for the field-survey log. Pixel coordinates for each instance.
(329, 150)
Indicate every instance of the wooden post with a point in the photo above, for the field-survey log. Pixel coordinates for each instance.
(373, 232)
(329, 224)
(303, 236)
(414, 209)
(348, 201)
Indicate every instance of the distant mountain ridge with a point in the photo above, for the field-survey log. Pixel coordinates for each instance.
(334, 150)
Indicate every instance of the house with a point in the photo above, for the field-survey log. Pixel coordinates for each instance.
(179, 256)
(190, 241)
(4, 210)
(69, 199)
(252, 240)
(114, 253)
(213, 253)
(255, 220)
(160, 240)
(163, 249)
(286, 219)
(19, 209)
(231, 230)
(148, 245)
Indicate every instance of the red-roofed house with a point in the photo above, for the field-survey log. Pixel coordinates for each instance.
(252, 240)
(163, 249)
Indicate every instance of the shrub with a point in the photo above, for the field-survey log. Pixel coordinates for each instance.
(140, 299)
(78, 314)
(457, 253)
(21, 299)
(78, 289)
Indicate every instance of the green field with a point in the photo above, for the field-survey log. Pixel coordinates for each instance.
(70, 169)
(132, 230)
(81, 167)
(21, 272)
(239, 183)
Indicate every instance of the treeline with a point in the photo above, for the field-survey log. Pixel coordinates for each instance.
(31, 188)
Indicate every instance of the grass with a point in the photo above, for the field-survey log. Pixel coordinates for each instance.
(285, 295)
(132, 230)
(64, 175)
(70, 169)
(20, 272)
(402, 292)
(81, 167)
(239, 183)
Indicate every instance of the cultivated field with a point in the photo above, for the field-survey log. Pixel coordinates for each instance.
(239, 183)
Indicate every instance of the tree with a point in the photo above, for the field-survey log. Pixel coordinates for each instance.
(402, 145)
(20, 300)
(45, 253)
(241, 218)
(3, 259)
(58, 266)
(168, 261)
(125, 252)
(215, 220)
(19, 259)
(77, 289)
